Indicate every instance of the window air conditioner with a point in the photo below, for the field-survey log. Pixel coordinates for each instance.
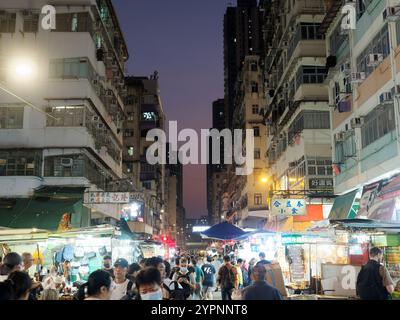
(374, 59)
(356, 122)
(339, 137)
(357, 77)
(391, 13)
(67, 162)
(386, 98)
(95, 118)
(345, 68)
(100, 125)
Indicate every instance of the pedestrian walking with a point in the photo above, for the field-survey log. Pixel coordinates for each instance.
(199, 276)
(262, 261)
(185, 278)
(227, 277)
(239, 281)
(260, 289)
(122, 285)
(208, 280)
(374, 281)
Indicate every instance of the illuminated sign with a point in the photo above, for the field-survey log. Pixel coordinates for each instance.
(288, 207)
(200, 228)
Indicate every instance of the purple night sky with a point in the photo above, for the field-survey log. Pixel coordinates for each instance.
(183, 41)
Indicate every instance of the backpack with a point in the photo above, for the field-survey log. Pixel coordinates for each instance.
(228, 278)
(369, 283)
(186, 288)
(176, 293)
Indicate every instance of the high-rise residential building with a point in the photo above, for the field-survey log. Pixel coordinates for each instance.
(297, 114)
(215, 172)
(363, 82)
(68, 139)
(144, 113)
(246, 195)
(242, 36)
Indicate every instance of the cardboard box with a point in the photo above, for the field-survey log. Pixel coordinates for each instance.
(274, 277)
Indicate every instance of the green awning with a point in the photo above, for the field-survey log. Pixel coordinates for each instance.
(344, 206)
(31, 213)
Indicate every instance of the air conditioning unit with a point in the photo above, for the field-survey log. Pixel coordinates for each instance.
(356, 122)
(345, 68)
(95, 82)
(391, 13)
(281, 136)
(109, 93)
(386, 98)
(95, 118)
(357, 77)
(339, 136)
(67, 162)
(285, 44)
(100, 126)
(374, 59)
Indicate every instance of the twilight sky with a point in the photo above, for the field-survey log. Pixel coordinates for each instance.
(183, 41)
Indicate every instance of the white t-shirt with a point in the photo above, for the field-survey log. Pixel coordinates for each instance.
(119, 290)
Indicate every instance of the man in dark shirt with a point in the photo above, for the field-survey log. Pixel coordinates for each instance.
(209, 279)
(260, 289)
(262, 260)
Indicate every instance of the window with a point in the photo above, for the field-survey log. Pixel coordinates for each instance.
(7, 22)
(20, 163)
(377, 124)
(257, 199)
(130, 100)
(11, 117)
(379, 45)
(337, 40)
(67, 116)
(310, 75)
(309, 120)
(254, 87)
(131, 116)
(128, 133)
(256, 131)
(305, 31)
(31, 23)
(70, 68)
(255, 109)
(319, 166)
(257, 154)
(347, 148)
(73, 22)
(253, 66)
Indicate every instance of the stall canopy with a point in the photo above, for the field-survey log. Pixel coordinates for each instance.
(45, 209)
(225, 231)
(344, 206)
(366, 224)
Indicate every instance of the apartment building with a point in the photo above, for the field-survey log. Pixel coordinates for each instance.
(363, 86)
(61, 112)
(297, 114)
(250, 196)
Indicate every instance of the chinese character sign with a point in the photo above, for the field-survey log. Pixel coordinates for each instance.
(108, 197)
(289, 207)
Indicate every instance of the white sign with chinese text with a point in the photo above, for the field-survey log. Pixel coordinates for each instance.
(288, 207)
(108, 197)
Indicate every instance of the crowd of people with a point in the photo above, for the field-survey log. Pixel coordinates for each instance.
(183, 278)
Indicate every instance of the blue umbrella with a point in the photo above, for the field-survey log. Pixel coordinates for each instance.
(225, 231)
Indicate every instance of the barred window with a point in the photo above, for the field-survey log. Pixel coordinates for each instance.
(379, 45)
(73, 22)
(310, 75)
(256, 131)
(11, 117)
(7, 22)
(67, 116)
(257, 198)
(377, 124)
(20, 163)
(70, 68)
(255, 109)
(309, 120)
(31, 23)
(347, 148)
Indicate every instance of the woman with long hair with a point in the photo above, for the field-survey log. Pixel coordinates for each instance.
(99, 286)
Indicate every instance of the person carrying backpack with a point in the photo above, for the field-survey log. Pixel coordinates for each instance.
(185, 278)
(374, 281)
(227, 276)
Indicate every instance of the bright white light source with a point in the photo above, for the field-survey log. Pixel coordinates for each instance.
(135, 207)
(23, 69)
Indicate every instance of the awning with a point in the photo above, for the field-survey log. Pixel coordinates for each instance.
(343, 206)
(31, 213)
(224, 231)
(367, 224)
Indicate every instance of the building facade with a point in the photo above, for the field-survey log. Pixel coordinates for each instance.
(61, 126)
(363, 90)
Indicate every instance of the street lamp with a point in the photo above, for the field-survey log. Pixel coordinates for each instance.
(22, 69)
(264, 179)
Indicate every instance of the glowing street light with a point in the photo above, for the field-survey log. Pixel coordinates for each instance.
(264, 179)
(22, 69)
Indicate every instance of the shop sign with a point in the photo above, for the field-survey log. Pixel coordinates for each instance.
(378, 200)
(288, 207)
(97, 197)
(321, 184)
